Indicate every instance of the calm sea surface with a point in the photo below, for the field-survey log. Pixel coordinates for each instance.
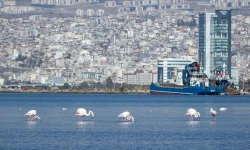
(166, 127)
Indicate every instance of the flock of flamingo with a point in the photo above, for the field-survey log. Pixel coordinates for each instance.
(126, 117)
(193, 113)
(81, 112)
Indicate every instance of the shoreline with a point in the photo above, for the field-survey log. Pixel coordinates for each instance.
(135, 92)
(72, 92)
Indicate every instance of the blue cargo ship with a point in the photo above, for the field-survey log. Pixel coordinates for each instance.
(188, 90)
(194, 82)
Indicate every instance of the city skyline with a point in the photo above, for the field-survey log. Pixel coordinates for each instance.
(94, 44)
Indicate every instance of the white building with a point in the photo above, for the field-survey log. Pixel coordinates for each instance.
(144, 78)
(58, 81)
(44, 80)
(130, 33)
(80, 12)
(100, 12)
(235, 76)
(168, 68)
(16, 9)
(126, 3)
(123, 10)
(139, 9)
(110, 3)
(54, 2)
(130, 79)
(1, 81)
(90, 12)
(150, 8)
(139, 78)
(9, 2)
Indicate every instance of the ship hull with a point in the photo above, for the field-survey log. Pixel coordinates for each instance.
(167, 93)
(189, 90)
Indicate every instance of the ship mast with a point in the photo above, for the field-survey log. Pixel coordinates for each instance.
(224, 70)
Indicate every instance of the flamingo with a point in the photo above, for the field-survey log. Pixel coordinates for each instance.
(81, 112)
(32, 115)
(126, 117)
(223, 109)
(213, 113)
(192, 112)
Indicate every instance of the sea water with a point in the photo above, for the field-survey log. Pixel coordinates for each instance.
(160, 122)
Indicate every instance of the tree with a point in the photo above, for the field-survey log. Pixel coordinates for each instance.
(109, 83)
(98, 85)
(117, 85)
(84, 85)
(91, 84)
(122, 89)
(65, 86)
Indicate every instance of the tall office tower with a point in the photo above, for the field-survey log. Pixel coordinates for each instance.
(215, 42)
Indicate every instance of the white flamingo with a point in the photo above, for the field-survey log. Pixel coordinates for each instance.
(213, 113)
(81, 112)
(223, 109)
(126, 117)
(192, 113)
(32, 115)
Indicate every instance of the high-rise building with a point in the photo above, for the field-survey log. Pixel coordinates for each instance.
(215, 42)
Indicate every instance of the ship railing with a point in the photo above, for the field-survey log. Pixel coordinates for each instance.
(171, 85)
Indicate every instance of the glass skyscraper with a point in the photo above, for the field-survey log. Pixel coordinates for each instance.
(215, 42)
